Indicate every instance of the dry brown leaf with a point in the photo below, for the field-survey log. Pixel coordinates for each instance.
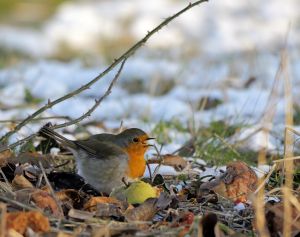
(20, 182)
(44, 200)
(13, 233)
(144, 212)
(237, 183)
(108, 210)
(147, 210)
(4, 156)
(240, 181)
(274, 217)
(80, 215)
(20, 221)
(174, 160)
(64, 234)
(70, 197)
(171, 160)
(91, 205)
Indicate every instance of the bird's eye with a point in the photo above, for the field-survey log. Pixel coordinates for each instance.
(135, 139)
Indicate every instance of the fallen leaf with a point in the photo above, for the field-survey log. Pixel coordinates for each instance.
(13, 233)
(275, 217)
(4, 156)
(80, 215)
(91, 204)
(175, 161)
(144, 212)
(20, 182)
(240, 181)
(20, 221)
(147, 210)
(71, 198)
(183, 219)
(108, 210)
(237, 183)
(45, 201)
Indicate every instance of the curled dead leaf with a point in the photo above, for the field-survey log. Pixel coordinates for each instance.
(20, 182)
(91, 204)
(45, 201)
(144, 212)
(240, 181)
(20, 221)
(13, 233)
(4, 156)
(80, 215)
(237, 183)
(147, 210)
(275, 216)
(175, 161)
(70, 198)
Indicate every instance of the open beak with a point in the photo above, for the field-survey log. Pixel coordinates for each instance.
(150, 138)
(147, 139)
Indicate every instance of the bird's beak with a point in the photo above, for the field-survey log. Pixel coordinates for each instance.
(147, 139)
(150, 138)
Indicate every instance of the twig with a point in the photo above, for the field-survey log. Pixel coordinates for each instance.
(286, 159)
(160, 161)
(4, 177)
(16, 203)
(35, 119)
(88, 113)
(2, 220)
(97, 101)
(9, 187)
(127, 54)
(262, 184)
(15, 144)
(149, 170)
(51, 189)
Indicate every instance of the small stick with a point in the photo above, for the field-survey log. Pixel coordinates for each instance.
(126, 55)
(149, 170)
(51, 189)
(2, 220)
(160, 160)
(97, 101)
(35, 119)
(4, 177)
(16, 203)
(262, 184)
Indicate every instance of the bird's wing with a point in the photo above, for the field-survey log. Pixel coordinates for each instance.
(48, 132)
(101, 150)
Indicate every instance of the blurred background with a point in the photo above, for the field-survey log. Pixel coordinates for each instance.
(216, 62)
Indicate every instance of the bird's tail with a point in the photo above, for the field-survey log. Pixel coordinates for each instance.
(48, 132)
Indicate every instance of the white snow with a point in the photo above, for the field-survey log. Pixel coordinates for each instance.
(163, 170)
(210, 51)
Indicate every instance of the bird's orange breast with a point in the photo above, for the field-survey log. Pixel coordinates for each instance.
(137, 163)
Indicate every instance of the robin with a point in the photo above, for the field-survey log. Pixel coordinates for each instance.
(103, 160)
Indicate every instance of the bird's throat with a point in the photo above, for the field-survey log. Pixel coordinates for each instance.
(137, 163)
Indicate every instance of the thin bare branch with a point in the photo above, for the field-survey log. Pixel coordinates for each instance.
(97, 101)
(127, 54)
(51, 189)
